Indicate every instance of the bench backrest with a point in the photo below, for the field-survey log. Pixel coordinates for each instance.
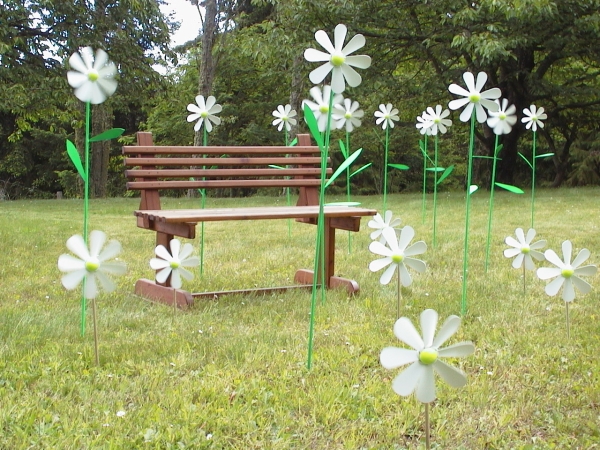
(150, 168)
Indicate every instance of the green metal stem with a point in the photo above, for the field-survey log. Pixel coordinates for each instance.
(435, 183)
(533, 179)
(86, 203)
(463, 305)
(424, 181)
(491, 205)
(385, 168)
(348, 188)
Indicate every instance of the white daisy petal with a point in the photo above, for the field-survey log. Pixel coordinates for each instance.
(106, 283)
(416, 264)
(567, 249)
(425, 391)
(317, 75)
(583, 286)
(162, 275)
(393, 357)
(581, 257)
(91, 287)
(545, 273)
(553, 258)
(406, 382)
(379, 249)
(378, 264)
(568, 290)
(554, 286)
(518, 261)
(112, 249)
(71, 280)
(429, 319)
(387, 275)
(451, 375)
(417, 248)
(322, 38)
(448, 329)
(162, 252)
(77, 245)
(586, 271)
(457, 350)
(511, 252)
(405, 278)
(406, 332)
(176, 279)
(68, 263)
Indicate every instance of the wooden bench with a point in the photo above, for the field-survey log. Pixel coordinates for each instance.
(151, 168)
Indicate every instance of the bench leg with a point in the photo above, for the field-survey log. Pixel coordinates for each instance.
(163, 294)
(304, 276)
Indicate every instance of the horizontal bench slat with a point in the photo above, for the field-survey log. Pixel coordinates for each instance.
(235, 150)
(200, 184)
(183, 173)
(305, 160)
(254, 213)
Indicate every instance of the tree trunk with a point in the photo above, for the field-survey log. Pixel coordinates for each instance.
(296, 89)
(100, 152)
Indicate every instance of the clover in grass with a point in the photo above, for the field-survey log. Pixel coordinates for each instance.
(284, 116)
(379, 223)
(424, 356)
(174, 263)
(337, 60)
(523, 250)
(386, 116)
(204, 112)
(567, 273)
(93, 265)
(474, 97)
(397, 254)
(92, 77)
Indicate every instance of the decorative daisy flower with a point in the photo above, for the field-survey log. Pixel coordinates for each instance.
(534, 117)
(380, 223)
(91, 265)
(386, 116)
(474, 98)
(502, 121)
(437, 119)
(285, 116)
(348, 115)
(337, 60)
(567, 272)
(425, 356)
(320, 107)
(204, 112)
(398, 254)
(523, 249)
(92, 79)
(174, 263)
(424, 124)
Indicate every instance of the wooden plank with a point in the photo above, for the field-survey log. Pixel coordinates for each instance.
(254, 291)
(163, 294)
(253, 213)
(218, 150)
(149, 199)
(199, 184)
(281, 161)
(253, 172)
(305, 276)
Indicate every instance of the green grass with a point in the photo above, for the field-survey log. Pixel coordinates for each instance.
(231, 373)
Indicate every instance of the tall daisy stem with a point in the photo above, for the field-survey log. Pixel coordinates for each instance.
(423, 208)
(435, 183)
(287, 189)
(524, 291)
(491, 206)
(463, 307)
(385, 167)
(533, 178)
(427, 428)
(399, 298)
(203, 205)
(348, 188)
(86, 203)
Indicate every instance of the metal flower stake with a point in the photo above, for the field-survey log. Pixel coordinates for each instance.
(339, 61)
(397, 254)
(433, 122)
(348, 116)
(284, 119)
(500, 122)
(524, 251)
(474, 100)
(533, 117)
(424, 359)
(91, 267)
(386, 116)
(567, 274)
(173, 264)
(92, 77)
(204, 112)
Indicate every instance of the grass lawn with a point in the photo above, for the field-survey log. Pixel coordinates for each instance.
(231, 373)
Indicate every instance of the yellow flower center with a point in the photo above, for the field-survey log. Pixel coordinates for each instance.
(204, 114)
(93, 75)
(437, 120)
(534, 118)
(386, 117)
(323, 109)
(337, 59)
(348, 116)
(567, 273)
(502, 116)
(428, 356)
(92, 265)
(525, 250)
(174, 265)
(398, 258)
(475, 97)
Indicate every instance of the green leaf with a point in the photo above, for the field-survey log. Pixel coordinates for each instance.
(273, 166)
(422, 148)
(509, 188)
(447, 172)
(526, 160)
(483, 157)
(342, 204)
(435, 169)
(473, 188)
(74, 155)
(343, 166)
(366, 166)
(108, 135)
(343, 149)
(545, 155)
(293, 143)
(309, 116)
(399, 166)
(499, 148)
